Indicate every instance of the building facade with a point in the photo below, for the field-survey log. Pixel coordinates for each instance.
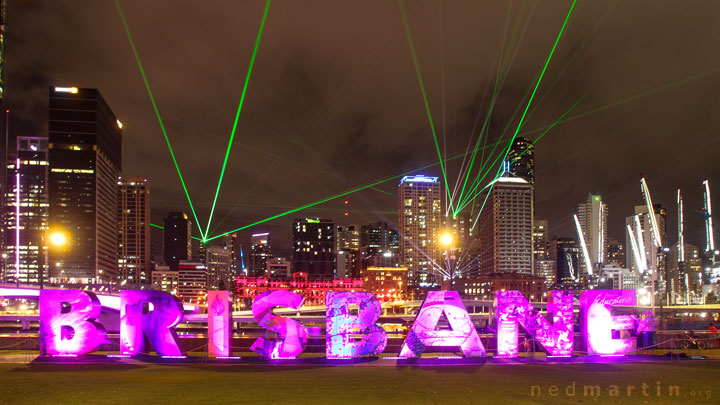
(218, 264)
(26, 211)
(192, 282)
(420, 222)
(260, 254)
(313, 291)
(85, 156)
(314, 248)
(389, 284)
(134, 230)
(506, 227)
(177, 244)
(522, 159)
(592, 215)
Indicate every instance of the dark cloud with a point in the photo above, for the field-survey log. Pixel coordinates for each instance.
(334, 91)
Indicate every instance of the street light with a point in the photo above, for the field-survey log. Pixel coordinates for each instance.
(56, 238)
(446, 239)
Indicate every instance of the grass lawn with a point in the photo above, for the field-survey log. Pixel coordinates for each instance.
(490, 383)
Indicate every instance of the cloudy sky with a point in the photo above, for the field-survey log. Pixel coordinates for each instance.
(334, 102)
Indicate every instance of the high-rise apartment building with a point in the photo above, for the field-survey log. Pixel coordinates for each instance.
(231, 242)
(178, 242)
(85, 161)
(314, 248)
(218, 263)
(521, 158)
(260, 253)
(505, 237)
(379, 246)
(420, 222)
(615, 252)
(26, 210)
(592, 215)
(134, 230)
(541, 244)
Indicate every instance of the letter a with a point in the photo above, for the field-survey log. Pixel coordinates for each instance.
(423, 332)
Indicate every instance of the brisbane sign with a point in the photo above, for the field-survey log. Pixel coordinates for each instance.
(68, 324)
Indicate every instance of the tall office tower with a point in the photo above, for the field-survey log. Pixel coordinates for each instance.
(314, 248)
(379, 246)
(419, 213)
(541, 245)
(592, 215)
(178, 243)
(27, 205)
(566, 252)
(615, 252)
(348, 255)
(4, 141)
(85, 161)
(684, 283)
(522, 159)
(652, 254)
(218, 262)
(347, 238)
(505, 238)
(231, 242)
(192, 281)
(260, 253)
(459, 228)
(134, 230)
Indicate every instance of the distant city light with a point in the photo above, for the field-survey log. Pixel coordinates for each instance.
(119, 124)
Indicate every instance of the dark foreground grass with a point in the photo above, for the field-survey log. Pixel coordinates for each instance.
(142, 383)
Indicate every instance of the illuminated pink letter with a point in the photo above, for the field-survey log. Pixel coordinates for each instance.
(292, 337)
(602, 330)
(219, 323)
(513, 308)
(66, 323)
(341, 324)
(151, 314)
(423, 332)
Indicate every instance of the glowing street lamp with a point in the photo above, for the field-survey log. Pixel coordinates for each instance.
(446, 239)
(57, 239)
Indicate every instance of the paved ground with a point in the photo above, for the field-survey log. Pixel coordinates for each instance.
(642, 380)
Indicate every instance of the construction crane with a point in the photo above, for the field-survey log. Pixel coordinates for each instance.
(707, 212)
(588, 264)
(635, 251)
(655, 241)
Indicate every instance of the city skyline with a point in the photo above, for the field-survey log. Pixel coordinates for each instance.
(341, 105)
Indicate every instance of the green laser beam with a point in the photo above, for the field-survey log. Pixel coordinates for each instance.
(542, 73)
(157, 113)
(163, 228)
(356, 189)
(631, 98)
(239, 109)
(534, 142)
(416, 64)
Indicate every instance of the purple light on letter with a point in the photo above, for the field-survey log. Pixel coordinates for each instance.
(291, 336)
(513, 309)
(151, 314)
(66, 323)
(341, 325)
(605, 333)
(219, 323)
(423, 332)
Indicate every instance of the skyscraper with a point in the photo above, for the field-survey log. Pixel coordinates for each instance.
(615, 252)
(379, 245)
(314, 248)
(505, 238)
(134, 230)
(218, 263)
(592, 215)
(178, 243)
(522, 159)
(27, 205)
(231, 242)
(85, 161)
(419, 212)
(260, 253)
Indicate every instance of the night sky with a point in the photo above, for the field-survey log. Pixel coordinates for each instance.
(334, 101)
